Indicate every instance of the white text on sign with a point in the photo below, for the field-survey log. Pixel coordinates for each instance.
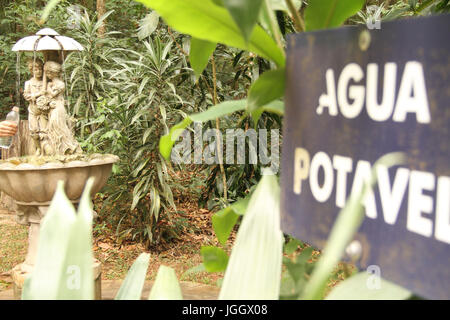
(420, 184)
(348, 99)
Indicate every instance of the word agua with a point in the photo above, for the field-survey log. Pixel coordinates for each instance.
(425, 190)
(348, 100)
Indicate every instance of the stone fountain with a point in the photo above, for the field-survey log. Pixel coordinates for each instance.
(31, 181)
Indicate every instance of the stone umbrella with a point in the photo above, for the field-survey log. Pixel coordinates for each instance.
(50, 43)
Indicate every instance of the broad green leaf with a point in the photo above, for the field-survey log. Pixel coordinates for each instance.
(269, 87)
(366, 286)
(166, 286)
(245, 14)
(214, 259)
(276, 107)
(224, 220)
(291, 246)
(199, 55)
(254, 268)
(77, 282)
(240, 206)
(53, 245)
(323, 14)
(148, 25)
(205, 20)
(167, 141)
(131, 288)
(346, 225)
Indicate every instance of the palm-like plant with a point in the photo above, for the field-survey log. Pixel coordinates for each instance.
(143, 100)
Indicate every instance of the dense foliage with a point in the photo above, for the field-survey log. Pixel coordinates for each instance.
(140, 77)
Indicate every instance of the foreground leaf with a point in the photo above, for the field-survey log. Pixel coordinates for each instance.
(131, 288)
(199, 55)
(322, 14)
(205, 20)
(276, 107)
(224, 220)
(78, 280)
(245, 14)
(166, 286)
(214, 259)
(269, 87)
(254, 268)
(53, 245)
(358, 287)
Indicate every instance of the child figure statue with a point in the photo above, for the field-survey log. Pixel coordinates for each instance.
(61, 139)
(37, 111)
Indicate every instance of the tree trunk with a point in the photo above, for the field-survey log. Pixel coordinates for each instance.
(100, 12)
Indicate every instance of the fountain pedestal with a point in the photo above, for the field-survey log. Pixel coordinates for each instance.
(32, 215)
(33, 186)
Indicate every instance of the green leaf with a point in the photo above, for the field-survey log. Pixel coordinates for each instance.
(291, 246)
(199, 54)
(166, 286)
(214, 259)
(360, 287)
(224, 220)
(254, 269)
(53, 244)
(205, 20)
(269, 87)
(245, 14)
(131, 288)
(323, 14)
(240, 206)
(77, 282)
(276, 107)
(346, 225)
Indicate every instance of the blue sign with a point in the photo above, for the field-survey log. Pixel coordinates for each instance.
(354, 95)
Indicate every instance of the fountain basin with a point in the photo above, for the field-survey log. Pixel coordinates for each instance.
(34, 185)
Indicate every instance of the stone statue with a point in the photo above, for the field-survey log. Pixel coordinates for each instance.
(60, 135)
(37, 115)
(48, 119)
